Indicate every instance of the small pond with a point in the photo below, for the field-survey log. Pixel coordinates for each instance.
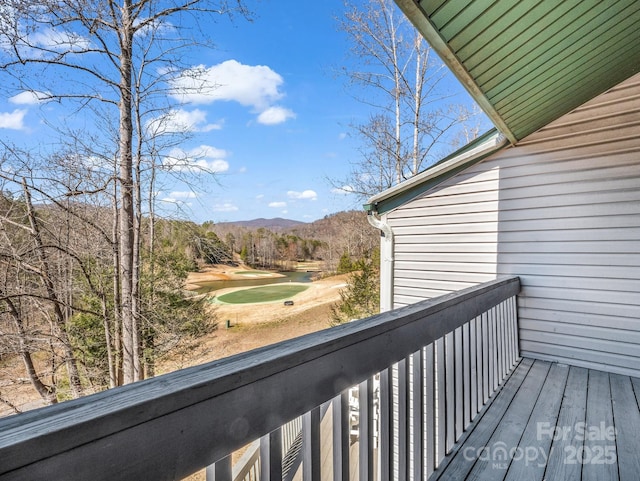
(213, 286)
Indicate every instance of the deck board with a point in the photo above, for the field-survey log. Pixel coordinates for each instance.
(531, 463)
(458, 465)
(566, 444)
(494, 461)
(555, 422)
(599, 445)
(627, 425)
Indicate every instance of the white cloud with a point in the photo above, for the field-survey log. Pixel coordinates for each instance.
(209, 151)
(226, 207)
(277, 204)
(304, 195)
(275, 115)
(173, 200)
(345, 189)
(183, 195)
(180, 120)
(260, 196)
(13, 120)
(342, 136)
(252, 86)
(216, 166)
(255, 86)
(29, 98)
(204, 158)
(155, 25)
(59, 40)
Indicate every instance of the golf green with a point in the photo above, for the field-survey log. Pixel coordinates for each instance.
(274, 292)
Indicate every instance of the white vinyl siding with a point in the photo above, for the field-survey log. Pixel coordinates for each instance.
(562, 211)
(446, 241)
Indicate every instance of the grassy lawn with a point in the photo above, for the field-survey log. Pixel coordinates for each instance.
(275, 292)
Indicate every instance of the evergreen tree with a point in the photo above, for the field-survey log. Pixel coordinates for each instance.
(345, 265)
(361, 297)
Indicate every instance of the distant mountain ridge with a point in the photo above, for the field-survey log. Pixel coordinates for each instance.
(277, 223)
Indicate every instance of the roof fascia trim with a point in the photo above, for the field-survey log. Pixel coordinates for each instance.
(471, 154)
(422, 22)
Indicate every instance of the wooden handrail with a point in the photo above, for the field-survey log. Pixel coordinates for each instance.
(172, 425)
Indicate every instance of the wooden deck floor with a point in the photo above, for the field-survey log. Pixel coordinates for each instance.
(553, 422)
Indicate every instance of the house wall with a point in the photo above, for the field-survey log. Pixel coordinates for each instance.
(562, 211)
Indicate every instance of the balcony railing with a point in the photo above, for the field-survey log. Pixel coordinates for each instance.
(437, 362)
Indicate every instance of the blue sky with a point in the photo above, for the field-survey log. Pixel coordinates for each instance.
(275, 128)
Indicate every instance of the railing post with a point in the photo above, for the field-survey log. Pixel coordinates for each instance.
(341, 428)
(467, 376)
(311, 445)
(403, 420)
(418, 415)
(459, 383)
(430, 408)
(474, 366)
(220, 471)
(512, 358)
(365, 447)
(514, 324)
(486, 357)
(494, 349)
(385, 430)
(441, 408)
(271, 456)
(449, 414)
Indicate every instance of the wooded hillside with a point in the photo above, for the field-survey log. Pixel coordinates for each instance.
(58, 284)
(328, 239)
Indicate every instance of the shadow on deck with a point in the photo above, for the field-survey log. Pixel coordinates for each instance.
(554, 422)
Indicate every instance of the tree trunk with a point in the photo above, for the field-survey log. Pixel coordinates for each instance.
(417, 100)
(117, 309)
(47, 393)
(398, 108)
(127, 214)
(137, 244)
(135, 281)
(113, 376)
(149, 344)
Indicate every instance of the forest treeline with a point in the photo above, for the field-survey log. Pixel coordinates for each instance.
(345, 236)
(58, 284)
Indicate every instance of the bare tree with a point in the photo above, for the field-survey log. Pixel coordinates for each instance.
(99, 54)
(18, 334)
(56, 293)
(50, 250)
(397, 75)
(32, 294)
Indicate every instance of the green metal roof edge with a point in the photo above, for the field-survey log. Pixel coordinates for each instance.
(467, 147)
(416, 14)
(410, 189)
